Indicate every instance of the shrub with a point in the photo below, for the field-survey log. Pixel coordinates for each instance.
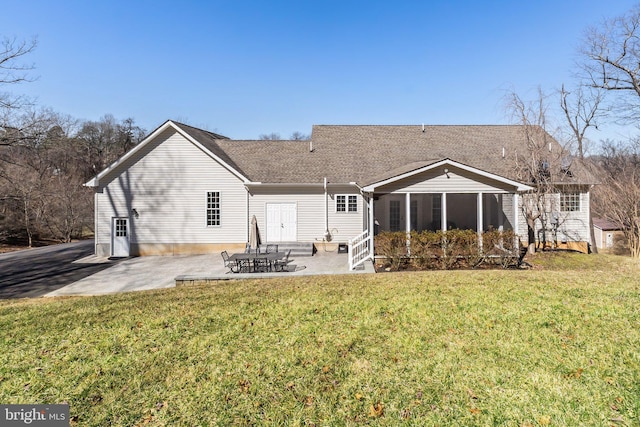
(393, 246)
(500, 247)
(447, 249)
(427, 248)
(464, 246)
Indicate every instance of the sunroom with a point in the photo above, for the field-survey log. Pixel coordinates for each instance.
(441, 195)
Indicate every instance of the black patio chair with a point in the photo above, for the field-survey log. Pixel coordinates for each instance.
(281, 265)
(245, 266)
(231, 265)
(261, 264)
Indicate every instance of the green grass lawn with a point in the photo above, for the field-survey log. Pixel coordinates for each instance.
(555, 345)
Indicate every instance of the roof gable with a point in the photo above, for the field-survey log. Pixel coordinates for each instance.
(443, 164)
(202, 139)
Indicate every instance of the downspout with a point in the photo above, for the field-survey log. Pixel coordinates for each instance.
(96, 217)
(247, 230)
(248, 219)
(327, 235)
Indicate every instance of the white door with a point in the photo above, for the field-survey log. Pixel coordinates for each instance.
(281, 222)
(120, 237)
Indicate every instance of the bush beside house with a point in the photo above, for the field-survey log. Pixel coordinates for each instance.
(445, 250)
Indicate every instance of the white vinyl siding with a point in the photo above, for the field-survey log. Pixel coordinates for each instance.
(310, 206)
(573, 225)
(167, 183)
(455, 181)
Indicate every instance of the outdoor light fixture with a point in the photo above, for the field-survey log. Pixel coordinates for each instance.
(446, 172)
(135, 213)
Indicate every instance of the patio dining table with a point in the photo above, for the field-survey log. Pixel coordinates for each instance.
(248, 259)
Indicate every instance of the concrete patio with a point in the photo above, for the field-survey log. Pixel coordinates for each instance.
(157, 272)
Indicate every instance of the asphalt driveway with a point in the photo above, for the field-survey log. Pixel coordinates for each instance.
(39, 271)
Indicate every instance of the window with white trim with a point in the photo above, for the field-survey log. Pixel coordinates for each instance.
(569, 202)
(213, 208)
(346, 203)
(121, 227)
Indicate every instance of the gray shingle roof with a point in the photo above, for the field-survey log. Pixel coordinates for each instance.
(366, 154)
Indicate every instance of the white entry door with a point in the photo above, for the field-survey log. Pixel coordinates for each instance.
(609, 240)
(282, 222)
(120, 237)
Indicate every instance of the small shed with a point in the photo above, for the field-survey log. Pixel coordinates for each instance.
(608, 236)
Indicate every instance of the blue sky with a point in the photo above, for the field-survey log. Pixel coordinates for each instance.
(242, 68)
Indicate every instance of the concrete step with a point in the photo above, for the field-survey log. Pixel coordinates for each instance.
(297, 248)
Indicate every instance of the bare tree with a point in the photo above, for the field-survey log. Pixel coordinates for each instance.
(581, 108)
(611, 61)
(582, 111)
(618, 198)
(299, 136)
(539, 166)
(107, 140)
(273, 136)
(12, 71)
(43, 169)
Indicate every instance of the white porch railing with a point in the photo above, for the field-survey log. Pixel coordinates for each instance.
(359, 250)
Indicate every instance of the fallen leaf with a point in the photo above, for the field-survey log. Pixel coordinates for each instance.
(308, 401)
(544, 420)
(359, 396)
(474, 411)
(376, 411)
(244, 385)
(325, 369)
(405, 414)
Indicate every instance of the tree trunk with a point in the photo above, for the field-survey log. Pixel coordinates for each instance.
(27, 224)
(531, 233)
(592, 233)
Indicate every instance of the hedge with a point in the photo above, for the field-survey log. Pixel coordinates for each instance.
(446, 250)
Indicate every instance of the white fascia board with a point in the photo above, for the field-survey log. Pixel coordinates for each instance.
(448, 162)
(95, 182)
